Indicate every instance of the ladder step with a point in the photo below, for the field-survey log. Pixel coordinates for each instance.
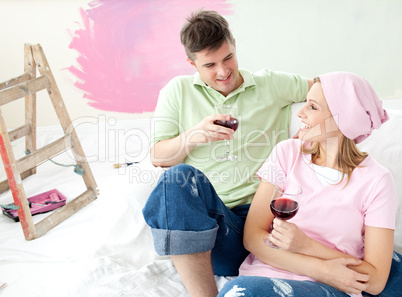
(44, 153)
(64, 212)
(19, 132)
(4, 186)
(15, 81)
(23, 89)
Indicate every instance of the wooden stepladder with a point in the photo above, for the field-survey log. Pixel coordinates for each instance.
(26, 85)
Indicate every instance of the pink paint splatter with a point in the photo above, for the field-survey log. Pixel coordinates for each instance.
(128, 50)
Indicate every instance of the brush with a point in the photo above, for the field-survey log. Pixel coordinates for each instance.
(118, 165)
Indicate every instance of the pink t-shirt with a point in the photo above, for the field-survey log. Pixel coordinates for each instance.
(330, 214)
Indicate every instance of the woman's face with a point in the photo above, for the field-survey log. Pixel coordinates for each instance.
(318, 124)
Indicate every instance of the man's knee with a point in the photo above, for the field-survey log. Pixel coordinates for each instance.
(183, 175)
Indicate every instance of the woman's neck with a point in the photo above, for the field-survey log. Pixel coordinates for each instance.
(328, 154)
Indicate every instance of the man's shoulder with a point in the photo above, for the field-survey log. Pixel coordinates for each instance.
(178, 84)
(261, 77)
(272, 74)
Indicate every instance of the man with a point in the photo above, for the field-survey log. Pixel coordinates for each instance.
(197, 210)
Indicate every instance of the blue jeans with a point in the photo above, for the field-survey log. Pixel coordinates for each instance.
(186, 216)
(264, 286)
(256, 286)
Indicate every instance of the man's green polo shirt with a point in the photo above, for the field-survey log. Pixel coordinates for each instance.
(264, 101)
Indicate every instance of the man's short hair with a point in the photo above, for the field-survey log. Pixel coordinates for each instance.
(204, 29)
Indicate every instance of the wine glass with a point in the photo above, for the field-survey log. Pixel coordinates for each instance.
(284, 204)
(232, 123)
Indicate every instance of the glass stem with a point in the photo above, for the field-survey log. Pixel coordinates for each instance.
(227, 148)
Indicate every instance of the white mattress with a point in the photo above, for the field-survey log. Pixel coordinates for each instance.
(106, 249)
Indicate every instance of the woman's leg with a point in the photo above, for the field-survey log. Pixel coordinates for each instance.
(256, 286)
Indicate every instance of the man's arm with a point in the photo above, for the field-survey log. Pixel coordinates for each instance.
(170, 152)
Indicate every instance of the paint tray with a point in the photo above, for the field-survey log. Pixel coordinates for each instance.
(40, 203)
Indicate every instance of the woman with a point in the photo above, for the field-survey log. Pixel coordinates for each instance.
(340, 242)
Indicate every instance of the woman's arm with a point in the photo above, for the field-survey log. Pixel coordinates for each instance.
(336, 272)
(378, 250)
(377, 253)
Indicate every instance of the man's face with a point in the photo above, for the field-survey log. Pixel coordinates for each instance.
(219, 69)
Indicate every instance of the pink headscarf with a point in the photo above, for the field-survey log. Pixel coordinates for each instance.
(353, 104)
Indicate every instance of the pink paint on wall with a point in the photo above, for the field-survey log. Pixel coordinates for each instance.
(128, 50)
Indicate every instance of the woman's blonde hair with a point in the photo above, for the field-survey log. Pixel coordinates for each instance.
(349, 156)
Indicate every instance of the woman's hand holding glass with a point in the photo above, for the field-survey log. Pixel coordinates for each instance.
(290, 237)
(284, 205)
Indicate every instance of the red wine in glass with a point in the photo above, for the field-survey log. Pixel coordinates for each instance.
(284, 208)
(284, 204)
(232, 123)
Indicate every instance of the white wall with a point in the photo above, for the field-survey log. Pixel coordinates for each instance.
(305, 37)
(49, 23)
(317, 36)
